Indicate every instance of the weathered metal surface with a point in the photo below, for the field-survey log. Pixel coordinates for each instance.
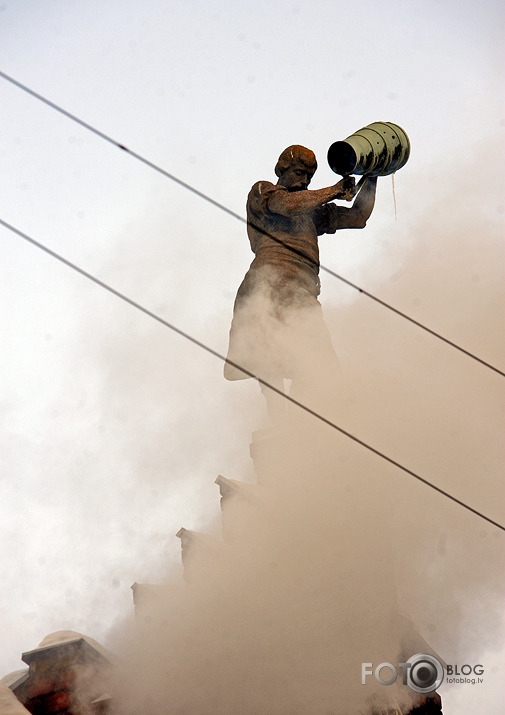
(379, 149)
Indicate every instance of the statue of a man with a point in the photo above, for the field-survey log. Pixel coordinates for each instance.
(277, 329)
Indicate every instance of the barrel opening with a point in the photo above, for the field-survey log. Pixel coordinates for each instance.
(342, 158)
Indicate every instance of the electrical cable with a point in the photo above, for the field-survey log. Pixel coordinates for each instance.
(221, 357)
(235, 215)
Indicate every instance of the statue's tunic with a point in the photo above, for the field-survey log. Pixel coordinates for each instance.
(283, 277)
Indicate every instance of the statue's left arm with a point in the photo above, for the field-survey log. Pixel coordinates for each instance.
(357, 215)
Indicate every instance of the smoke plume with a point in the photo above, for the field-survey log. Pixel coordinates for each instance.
(332, 556)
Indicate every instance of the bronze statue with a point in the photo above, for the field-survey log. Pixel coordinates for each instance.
(277, 329)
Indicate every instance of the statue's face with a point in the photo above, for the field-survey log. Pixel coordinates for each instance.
(296, 178)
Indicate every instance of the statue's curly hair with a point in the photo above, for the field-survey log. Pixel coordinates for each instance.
(296, 155)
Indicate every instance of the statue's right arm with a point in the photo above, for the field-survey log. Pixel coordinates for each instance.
(291, 203)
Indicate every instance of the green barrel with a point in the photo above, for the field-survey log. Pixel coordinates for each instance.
(378, 149)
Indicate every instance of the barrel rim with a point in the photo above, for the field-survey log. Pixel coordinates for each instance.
(354, 155)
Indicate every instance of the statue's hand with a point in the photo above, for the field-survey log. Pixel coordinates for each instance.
(346, 188)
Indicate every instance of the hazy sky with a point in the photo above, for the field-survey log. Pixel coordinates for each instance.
(113, 427)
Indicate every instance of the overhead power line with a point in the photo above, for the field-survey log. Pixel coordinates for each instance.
(221, 357)
(237, 216)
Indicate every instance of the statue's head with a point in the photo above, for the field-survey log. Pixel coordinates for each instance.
(296, 167)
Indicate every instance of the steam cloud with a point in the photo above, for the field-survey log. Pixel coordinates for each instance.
(323, 554)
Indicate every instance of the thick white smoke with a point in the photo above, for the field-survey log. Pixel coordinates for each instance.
(333, 556)
(280, 616)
